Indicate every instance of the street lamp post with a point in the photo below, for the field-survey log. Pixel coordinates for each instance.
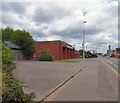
(84, 39)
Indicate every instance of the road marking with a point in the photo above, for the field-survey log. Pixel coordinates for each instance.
(116, 65)
(111, 68)
(108, 61)
(112, 63)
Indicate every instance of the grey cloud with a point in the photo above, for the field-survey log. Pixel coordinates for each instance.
(49, 14)
(46, 15)
(112, 10)
(42, 16)
(77, 31)
(17, 7)
(100, 42)
(7, 19)
(36, 33)
(93, 30)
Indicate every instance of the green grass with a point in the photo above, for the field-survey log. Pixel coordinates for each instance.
(67, 60)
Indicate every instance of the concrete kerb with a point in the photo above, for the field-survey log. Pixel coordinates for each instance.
(61, 84)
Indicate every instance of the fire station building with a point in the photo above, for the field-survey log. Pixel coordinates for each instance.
(59, 49)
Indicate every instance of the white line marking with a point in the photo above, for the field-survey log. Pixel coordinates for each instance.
(108, 61)
(111, 68)
(112, 63)
(116, 65)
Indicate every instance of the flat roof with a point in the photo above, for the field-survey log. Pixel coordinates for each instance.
(52, 42)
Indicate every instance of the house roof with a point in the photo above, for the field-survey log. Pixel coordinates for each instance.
(12, 45)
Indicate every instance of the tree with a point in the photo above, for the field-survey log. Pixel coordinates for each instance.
(25, 40)
(88, 54)
(45, 56)
(7, 33)
(81, 52)
(21, 38)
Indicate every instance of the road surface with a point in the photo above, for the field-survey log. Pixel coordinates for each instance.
(89, 80)
(97, 82)
(43, 77)
(113, 62)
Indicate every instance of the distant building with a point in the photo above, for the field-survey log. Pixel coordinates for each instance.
(12, 46)
(109, 47)
(111, 52)
(59, 49)
(117, 52)
(16, 49)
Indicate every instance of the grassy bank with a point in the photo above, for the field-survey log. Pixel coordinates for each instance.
(67, 60)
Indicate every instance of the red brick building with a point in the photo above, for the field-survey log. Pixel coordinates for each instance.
(117, 55)
(59, 49)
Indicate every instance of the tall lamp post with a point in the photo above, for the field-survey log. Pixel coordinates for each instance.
(84, 39)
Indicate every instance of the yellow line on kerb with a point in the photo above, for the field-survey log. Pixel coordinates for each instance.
(111, 68)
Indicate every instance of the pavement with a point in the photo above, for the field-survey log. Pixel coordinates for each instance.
(43, 77)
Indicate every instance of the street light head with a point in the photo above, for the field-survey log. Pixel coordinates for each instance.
(85, 22)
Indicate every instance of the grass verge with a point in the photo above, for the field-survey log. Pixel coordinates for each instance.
(67, 60)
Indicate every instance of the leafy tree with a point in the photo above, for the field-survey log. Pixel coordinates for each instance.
(21, 38)
(81, 52)
(45, 56)
(7, 33)
(25, 40)
(88, 54)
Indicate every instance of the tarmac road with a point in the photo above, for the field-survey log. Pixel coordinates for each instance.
(113, 62)
(42, 77)
(97, 82)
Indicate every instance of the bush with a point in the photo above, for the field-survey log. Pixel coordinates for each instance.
(45, 56)
(112, 55)
(12, 89)
(7, 59)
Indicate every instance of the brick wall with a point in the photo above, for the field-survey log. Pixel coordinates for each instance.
(58, 49)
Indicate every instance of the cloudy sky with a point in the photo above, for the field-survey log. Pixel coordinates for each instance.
(63, 20)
